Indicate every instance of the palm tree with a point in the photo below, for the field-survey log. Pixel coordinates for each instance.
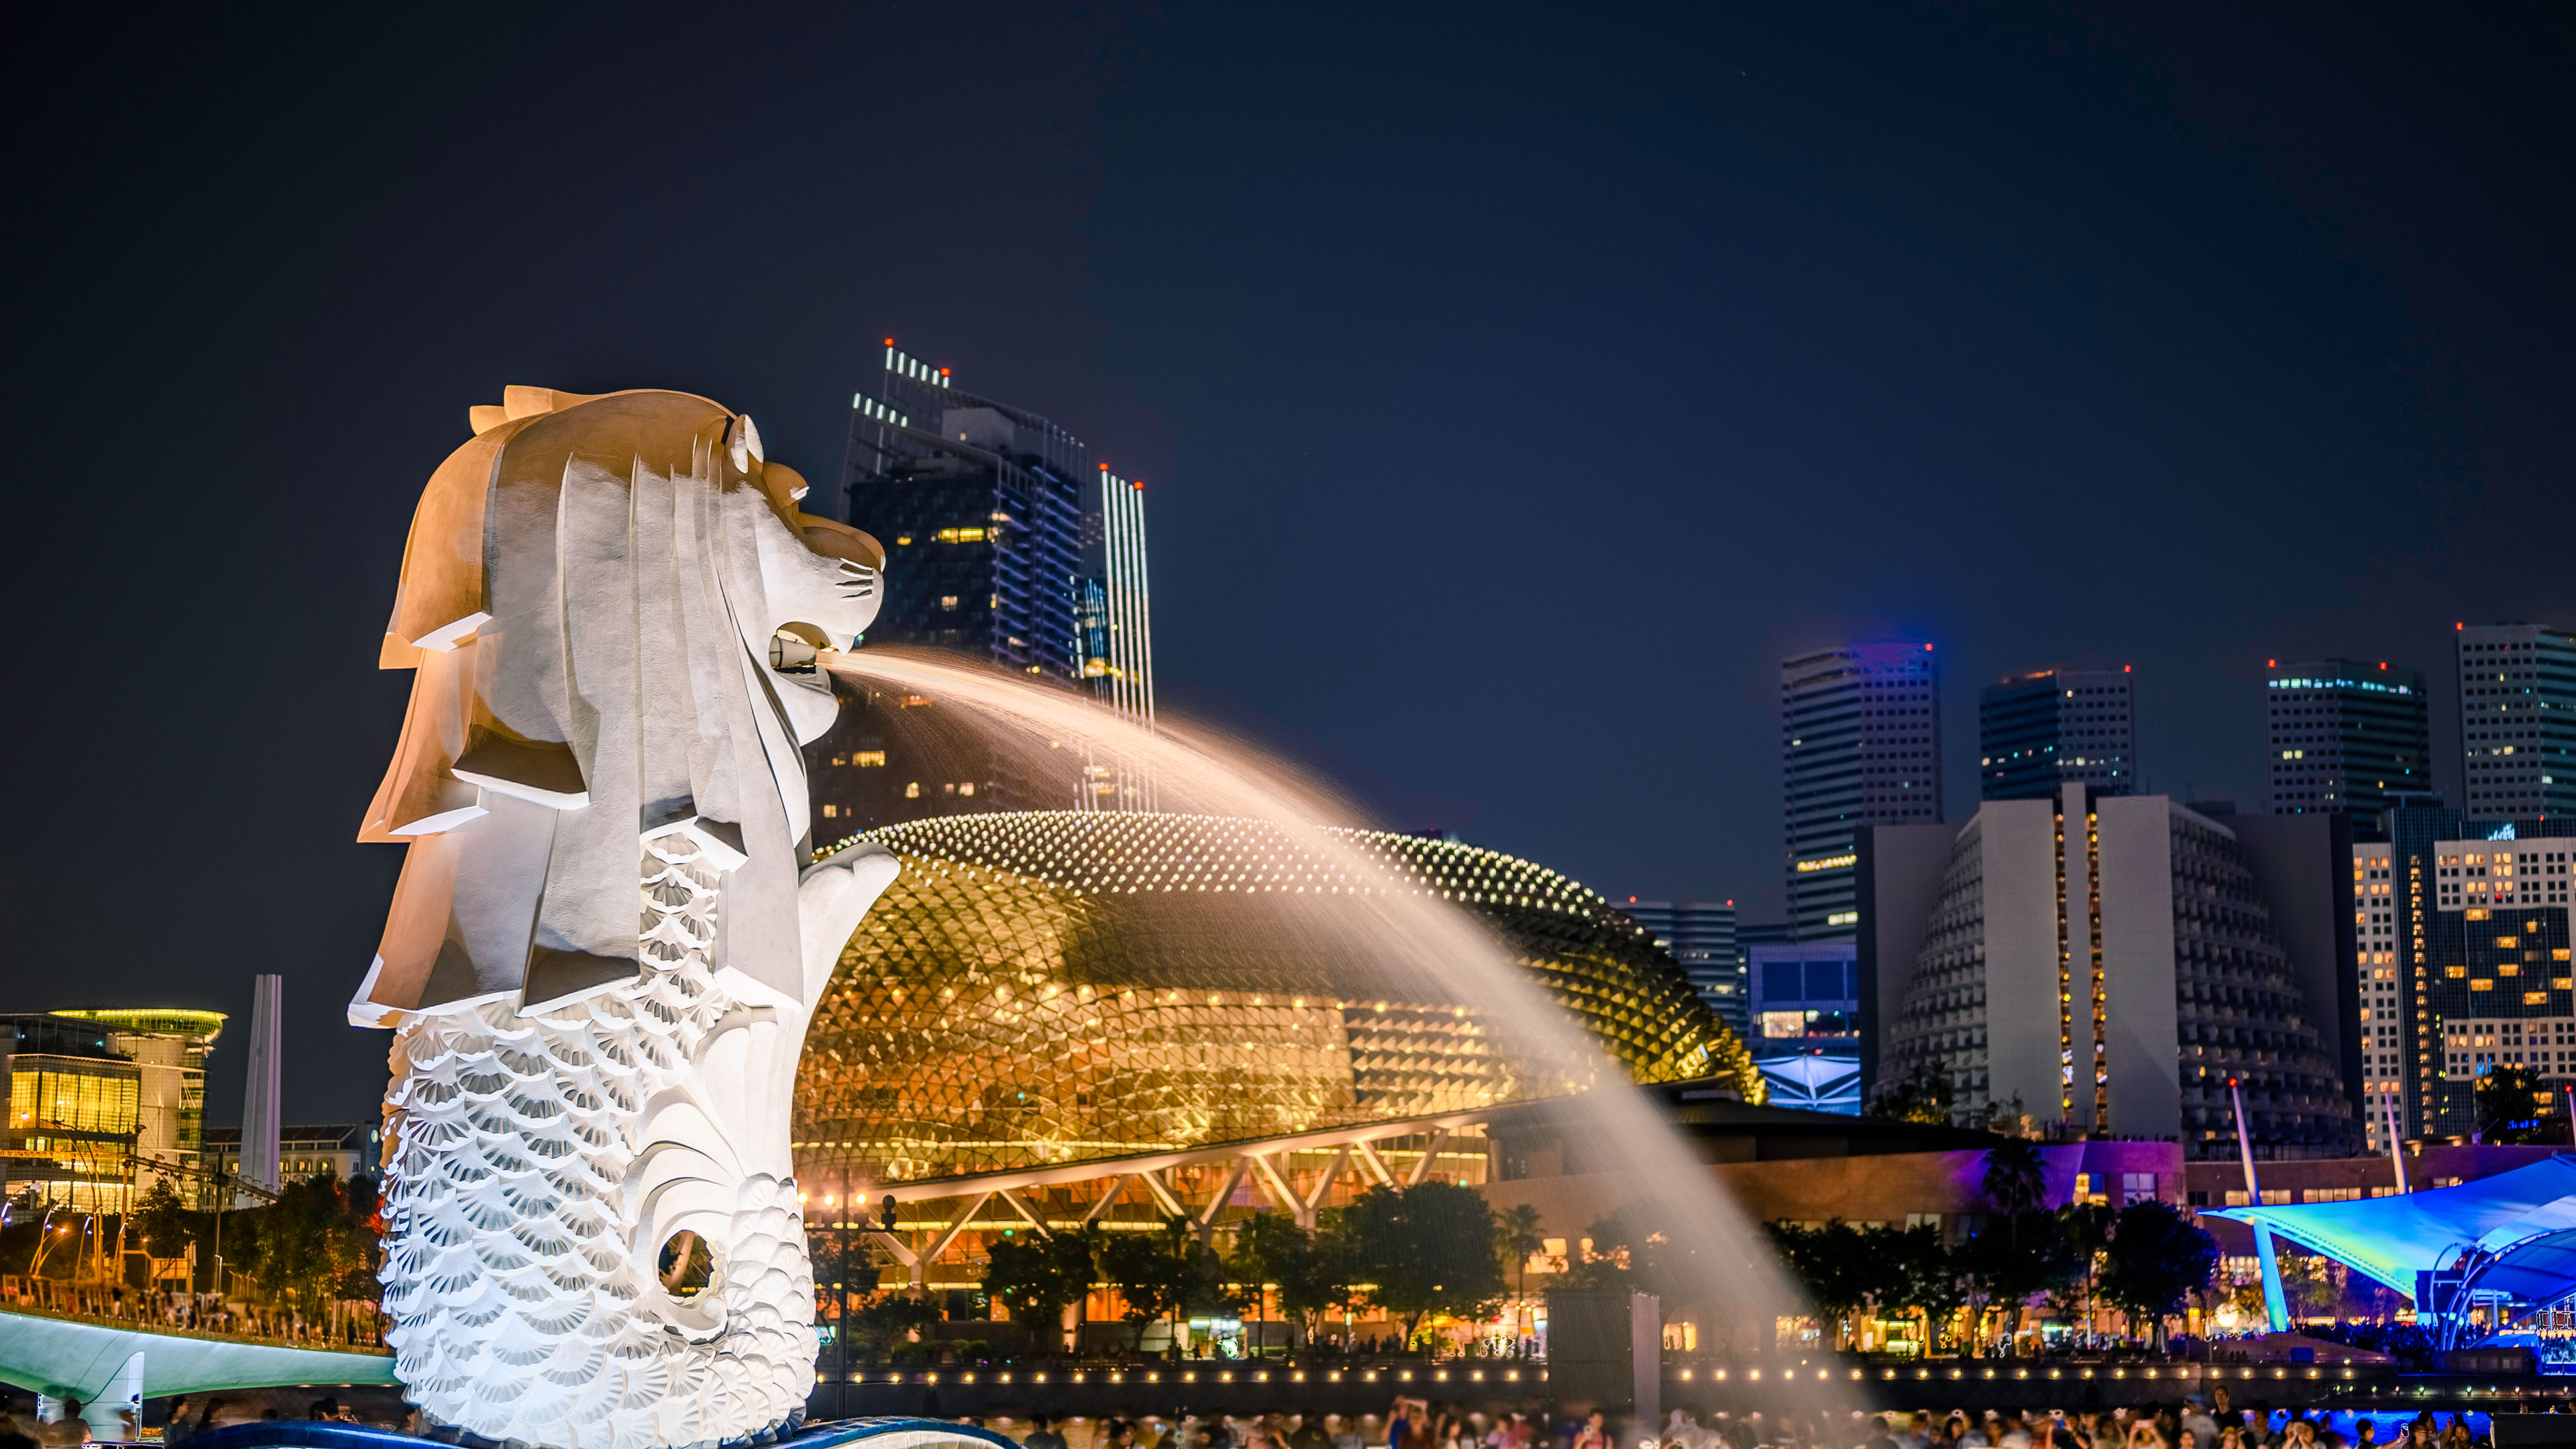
(1521, 1239)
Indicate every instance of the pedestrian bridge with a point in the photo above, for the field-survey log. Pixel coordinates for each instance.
(112, 1364)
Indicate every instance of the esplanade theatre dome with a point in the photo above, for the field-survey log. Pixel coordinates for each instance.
(1047, 988)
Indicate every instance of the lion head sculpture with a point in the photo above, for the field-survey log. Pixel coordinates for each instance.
(608, 934)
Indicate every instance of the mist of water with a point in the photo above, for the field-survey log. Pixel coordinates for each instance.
(1723, 1268)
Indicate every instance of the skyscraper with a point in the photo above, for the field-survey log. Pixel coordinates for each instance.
(2051, 728)
(2518, 719)
(1701, 937)
(980, 507)
(1860, 731)
(2112, 962)
(2477, 949)
(2346, 737)
(1003, 542)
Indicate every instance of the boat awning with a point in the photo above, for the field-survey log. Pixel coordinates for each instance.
(2394, 1238)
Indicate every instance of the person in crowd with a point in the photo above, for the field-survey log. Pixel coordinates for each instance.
(68, 1430)
(1041, 1436)
(2202, 1424)
(1595, 1433)
(2222, 1412)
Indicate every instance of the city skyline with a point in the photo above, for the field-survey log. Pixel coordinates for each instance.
(1684, 343)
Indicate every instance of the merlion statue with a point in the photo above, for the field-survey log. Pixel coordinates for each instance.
(607, 940)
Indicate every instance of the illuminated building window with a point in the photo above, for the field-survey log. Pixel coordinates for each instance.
(948, 601)
(868, 759)
(912, 791)
(831, 812)
(961, 535)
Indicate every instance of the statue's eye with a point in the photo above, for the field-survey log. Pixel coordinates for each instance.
(687, 1266)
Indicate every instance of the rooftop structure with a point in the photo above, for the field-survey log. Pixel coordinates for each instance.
(2041, 731)
(2518, 719)
(2344, 736)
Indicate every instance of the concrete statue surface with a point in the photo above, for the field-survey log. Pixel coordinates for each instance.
(608, 936)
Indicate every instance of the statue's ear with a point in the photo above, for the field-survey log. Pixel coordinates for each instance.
(742, 443)
(831, 900)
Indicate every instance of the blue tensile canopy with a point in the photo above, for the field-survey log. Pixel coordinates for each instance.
(2394, 1238)
(1816, 1082)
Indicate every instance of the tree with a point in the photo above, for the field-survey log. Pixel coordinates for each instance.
(889, 1320)
(2154, 1261)
(1933, 1286)
(1038, 1278)
(1830, 1266)
(1306, 1267)
(1433, 1248)
(1923, 1094)
(2513, 1106)
(1634, 1248)
(2014, 1182)
(1162, 1272)
(2016, 1256)
(311, 1246)
(164, 1222)
(1522, 1239)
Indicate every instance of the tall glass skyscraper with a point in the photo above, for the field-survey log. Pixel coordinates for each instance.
(1860, 744)
(1004, 541)
(2518, 719)
(2040, 732)
(2345, 736)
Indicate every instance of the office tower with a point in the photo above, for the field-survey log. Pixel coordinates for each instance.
(2072, 964)
(1700, 935)
(2051, 728)
(2344, 736)
(262, 1084)
(2477, 926)
(1860, 730)
(2381, 1013)
(980, 508)
(2518, 719)
(1005, 542)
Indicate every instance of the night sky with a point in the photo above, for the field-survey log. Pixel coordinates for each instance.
(1514, 388)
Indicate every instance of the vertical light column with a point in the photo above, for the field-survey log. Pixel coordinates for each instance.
(1131, 619)
(259, 1149)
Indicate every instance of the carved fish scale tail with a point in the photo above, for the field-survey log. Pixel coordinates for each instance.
(513, 1275)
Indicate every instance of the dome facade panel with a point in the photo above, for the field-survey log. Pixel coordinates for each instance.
(1047, 988)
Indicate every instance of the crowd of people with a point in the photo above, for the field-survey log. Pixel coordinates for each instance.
(2196, 1423)
(2212, 1422)
(198, 1312)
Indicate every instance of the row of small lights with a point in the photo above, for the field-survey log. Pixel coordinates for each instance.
(2189, 1371)
(1019, 838)
(1335, 1376)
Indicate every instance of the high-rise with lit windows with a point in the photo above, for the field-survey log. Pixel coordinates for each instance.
(2476, 912)
(2050, 728)
(2518, 719)
(1701, 937)
(1860, 744)
(1004, 541)
(2379, 931)
(2344, 736)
